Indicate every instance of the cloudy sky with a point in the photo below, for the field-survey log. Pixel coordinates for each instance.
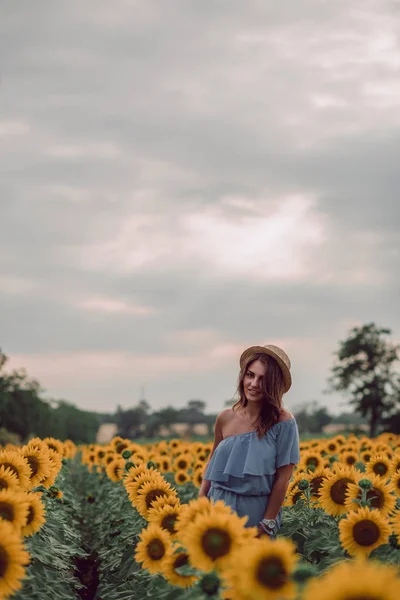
(181, 179)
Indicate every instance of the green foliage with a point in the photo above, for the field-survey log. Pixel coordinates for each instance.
(55, 549)
(25, 413)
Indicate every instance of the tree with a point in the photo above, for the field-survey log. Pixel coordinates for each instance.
(365, 369)
(312, 418)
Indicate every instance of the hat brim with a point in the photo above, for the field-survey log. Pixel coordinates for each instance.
(287, 378)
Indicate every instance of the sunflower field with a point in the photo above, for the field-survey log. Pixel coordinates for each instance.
(124, 521)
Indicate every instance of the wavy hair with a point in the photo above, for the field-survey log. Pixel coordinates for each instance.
(272, 392)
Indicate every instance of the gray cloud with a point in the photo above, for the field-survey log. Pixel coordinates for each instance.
(143, 144)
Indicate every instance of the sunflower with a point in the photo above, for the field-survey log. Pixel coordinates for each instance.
(355, 580)
(17, 465)
(315, 480)
(293, 497)
(170, 573)
(363, 531)
(150, 492)
(395, 522)
(395, 464)
(294, 482)
(55, 445)
(38, 461)
(311, 460)
(36, 515)
(395, 481)
(366, 456)
(55, 465)
(115, 469)
(118, 444)
(380, 495)
(14, 508)
(348, 458)
(165, 464)
(379, 464)
(265, 570)
(13, 559)
(165, 517)
(213, 538)
(153, 549)
(332, 492)
(182, 462)
(196, 508)
(162, 501)
(181, 477)
(8, 479)
(133, 487)
(197, 478)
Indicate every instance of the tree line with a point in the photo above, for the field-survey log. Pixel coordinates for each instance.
(364, 371)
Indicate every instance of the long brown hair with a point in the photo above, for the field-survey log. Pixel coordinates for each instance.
(272, 392)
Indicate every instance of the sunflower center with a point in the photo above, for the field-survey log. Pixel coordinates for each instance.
(31, 515)
(338, 490)
(271, 573)
(4, 561)
(375, 497)
(296, 497)
(153, 495)
(11, 467)
(168, 522)
(182, 464)
(216, 542)
(366, 533)
(52, 447)
(165, 465)
(182, 477)
(312, 461)
(155, 549)
(315, 484)
(181, 560)
(3, 484)
(120, 448)
(350, 460)
(367, 457)
(34, 464)
(380, 468)
(6, 511)
(331, 447)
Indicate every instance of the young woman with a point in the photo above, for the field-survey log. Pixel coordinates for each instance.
(256, 442)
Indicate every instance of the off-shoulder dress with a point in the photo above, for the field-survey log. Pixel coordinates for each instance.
(242, 469)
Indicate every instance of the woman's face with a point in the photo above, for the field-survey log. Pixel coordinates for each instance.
(253, 379)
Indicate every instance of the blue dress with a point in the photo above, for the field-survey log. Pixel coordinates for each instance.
(243, 467)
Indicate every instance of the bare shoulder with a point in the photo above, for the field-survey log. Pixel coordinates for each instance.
(225, 416)
(285, 415)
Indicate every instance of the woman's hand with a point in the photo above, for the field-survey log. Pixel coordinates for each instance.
(261, 532)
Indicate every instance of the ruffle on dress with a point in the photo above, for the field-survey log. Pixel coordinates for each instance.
(246, 454)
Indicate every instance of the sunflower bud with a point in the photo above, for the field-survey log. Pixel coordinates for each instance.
(126, 454)
(365, 484)
(210, 584)
(151, 465)
(303, 485)
(129, 465)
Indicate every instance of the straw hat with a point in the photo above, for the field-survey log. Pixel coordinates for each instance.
(277, 353)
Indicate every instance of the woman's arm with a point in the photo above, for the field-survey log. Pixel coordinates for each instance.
(205, 484)
(278, 492)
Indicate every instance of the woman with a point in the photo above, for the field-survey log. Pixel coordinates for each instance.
(256, 442)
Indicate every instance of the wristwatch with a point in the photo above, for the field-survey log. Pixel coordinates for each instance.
(269, 525)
